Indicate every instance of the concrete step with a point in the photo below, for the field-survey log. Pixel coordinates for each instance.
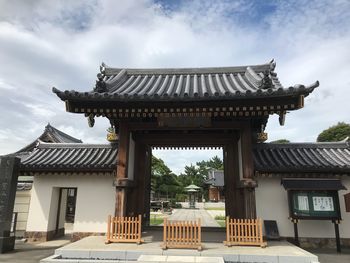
(185, 259)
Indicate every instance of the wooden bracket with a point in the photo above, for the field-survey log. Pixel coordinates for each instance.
(123, 183)
(282, 118)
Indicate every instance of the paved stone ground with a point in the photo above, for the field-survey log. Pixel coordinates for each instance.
(331, 256)
(32, 252)
(192, 215)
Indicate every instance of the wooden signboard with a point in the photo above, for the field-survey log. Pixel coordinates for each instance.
(314, 205)
(347, 202)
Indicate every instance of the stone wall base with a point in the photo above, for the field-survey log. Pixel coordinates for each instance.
(79, 235)
(312, 242)
(42, 236)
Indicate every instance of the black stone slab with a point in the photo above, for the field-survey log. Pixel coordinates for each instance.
(271, 230)
(9, 169)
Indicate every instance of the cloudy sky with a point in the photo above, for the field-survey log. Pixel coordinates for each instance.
(62, 43)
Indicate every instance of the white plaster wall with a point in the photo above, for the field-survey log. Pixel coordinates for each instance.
(22, 202)
(52, 218)
(39, 206)
(272, 204)
(95, 201)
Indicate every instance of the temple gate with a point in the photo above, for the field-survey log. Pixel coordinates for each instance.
(195, 107)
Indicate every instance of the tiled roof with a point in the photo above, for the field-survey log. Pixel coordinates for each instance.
(302, 157)
(268, 158)
(312, 184)
(117, 84)
(50, 134)
(215, 178)
(71, 157)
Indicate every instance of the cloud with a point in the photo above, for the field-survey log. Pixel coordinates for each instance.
(62, 43)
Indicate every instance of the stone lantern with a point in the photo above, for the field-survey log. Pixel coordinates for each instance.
(192, 191)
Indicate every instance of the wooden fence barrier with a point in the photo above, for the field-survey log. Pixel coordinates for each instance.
(182, 234)
(124, 229)
(244, 232)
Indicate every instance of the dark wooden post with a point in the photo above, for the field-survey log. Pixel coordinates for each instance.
(337, 236)
(247, 182)
(247, 152)
(122, 170)
(231, 172)
(296, 234)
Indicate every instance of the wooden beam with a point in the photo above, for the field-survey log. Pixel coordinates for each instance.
(185, 139)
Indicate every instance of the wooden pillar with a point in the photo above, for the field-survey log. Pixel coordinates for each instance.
(249, 200)
(147, 184)
(140, 194)
(122, 170)
(248, 184)
(247, 151)
(234, 202)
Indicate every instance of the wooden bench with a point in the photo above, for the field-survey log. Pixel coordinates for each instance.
(246, 232)
(124, 229)
(182, 234)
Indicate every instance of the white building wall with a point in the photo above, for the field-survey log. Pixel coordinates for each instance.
(22, 202)
(272, 204)
(95, 201)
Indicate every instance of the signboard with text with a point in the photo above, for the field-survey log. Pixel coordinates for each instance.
(314, 204)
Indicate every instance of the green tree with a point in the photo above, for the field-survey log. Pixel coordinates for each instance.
(191, 175)
(335, 133)
(163, 181)
(205, 166)
(281, 141)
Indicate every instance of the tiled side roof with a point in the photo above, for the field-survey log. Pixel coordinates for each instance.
(71, 157)
(216, 178)
(50, 134)
(58, 136)
(118, 84)
(302, 157)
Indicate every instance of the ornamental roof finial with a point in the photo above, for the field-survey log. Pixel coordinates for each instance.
(100, 84)
(266, 82)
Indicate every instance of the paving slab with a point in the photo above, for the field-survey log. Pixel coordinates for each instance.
(192, 215)
(276, 252)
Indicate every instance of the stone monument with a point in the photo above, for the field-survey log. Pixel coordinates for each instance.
(9, 169)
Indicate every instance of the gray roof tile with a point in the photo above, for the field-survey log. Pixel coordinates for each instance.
(50, 134)
(268, 158)
(302, 157)
(188, 84)
(71, 157)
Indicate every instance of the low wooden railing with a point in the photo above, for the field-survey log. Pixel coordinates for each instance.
(182, 234)
(244, 232)
(124, 229)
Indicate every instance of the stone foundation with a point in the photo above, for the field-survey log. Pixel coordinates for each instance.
(79, 235)
(312, 242)
(42, 236)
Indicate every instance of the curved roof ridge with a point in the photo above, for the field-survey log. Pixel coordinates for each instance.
(42, 144)
(49, 127)
(52, 134)
(187, 70)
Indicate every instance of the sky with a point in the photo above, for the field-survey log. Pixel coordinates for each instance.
(45, 44)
